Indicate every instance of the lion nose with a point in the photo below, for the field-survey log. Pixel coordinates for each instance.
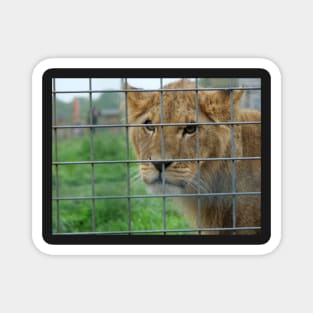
(158, 165)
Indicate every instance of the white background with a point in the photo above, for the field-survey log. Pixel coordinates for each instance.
(34, 30)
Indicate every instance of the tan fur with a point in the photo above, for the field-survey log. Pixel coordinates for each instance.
(215, 142)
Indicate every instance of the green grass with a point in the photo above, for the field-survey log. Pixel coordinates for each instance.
(109, 180)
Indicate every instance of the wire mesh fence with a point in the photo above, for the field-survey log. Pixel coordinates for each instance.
(100, 177)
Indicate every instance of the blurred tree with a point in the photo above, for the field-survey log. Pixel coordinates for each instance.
(218, 82)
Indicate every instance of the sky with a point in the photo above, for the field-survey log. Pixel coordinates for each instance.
(81, 84)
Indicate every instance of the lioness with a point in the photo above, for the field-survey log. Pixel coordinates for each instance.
(180, 142)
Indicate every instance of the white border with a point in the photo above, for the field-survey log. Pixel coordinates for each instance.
(276, 126)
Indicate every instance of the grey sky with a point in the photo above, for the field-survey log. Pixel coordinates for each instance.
(81, 84)
(78, 84)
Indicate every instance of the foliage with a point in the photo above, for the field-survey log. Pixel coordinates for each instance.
(109, 180)
(218, 82)
(105, 101)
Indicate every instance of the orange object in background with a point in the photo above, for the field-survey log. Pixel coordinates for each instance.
(76, 110)
(76, 131)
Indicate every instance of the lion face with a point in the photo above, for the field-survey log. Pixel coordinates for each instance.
(162, 144)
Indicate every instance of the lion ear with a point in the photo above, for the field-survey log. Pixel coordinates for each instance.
(138, 102)
(133, 97)
(217, 104)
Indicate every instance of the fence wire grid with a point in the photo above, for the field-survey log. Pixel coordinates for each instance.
(98, 192)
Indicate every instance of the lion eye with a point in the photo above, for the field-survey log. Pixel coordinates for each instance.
(150, 128)
(190, 129)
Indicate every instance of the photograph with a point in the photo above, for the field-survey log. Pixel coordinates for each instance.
(157, 157)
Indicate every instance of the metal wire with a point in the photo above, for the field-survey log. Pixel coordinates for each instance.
(198, 156)
(156, 90)
(173, 195)
(163, 154)
(156, 125)
(92, 156)
(128, 163)
(57, 190)
(152, 231)
(233, 153)
(155, 161)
